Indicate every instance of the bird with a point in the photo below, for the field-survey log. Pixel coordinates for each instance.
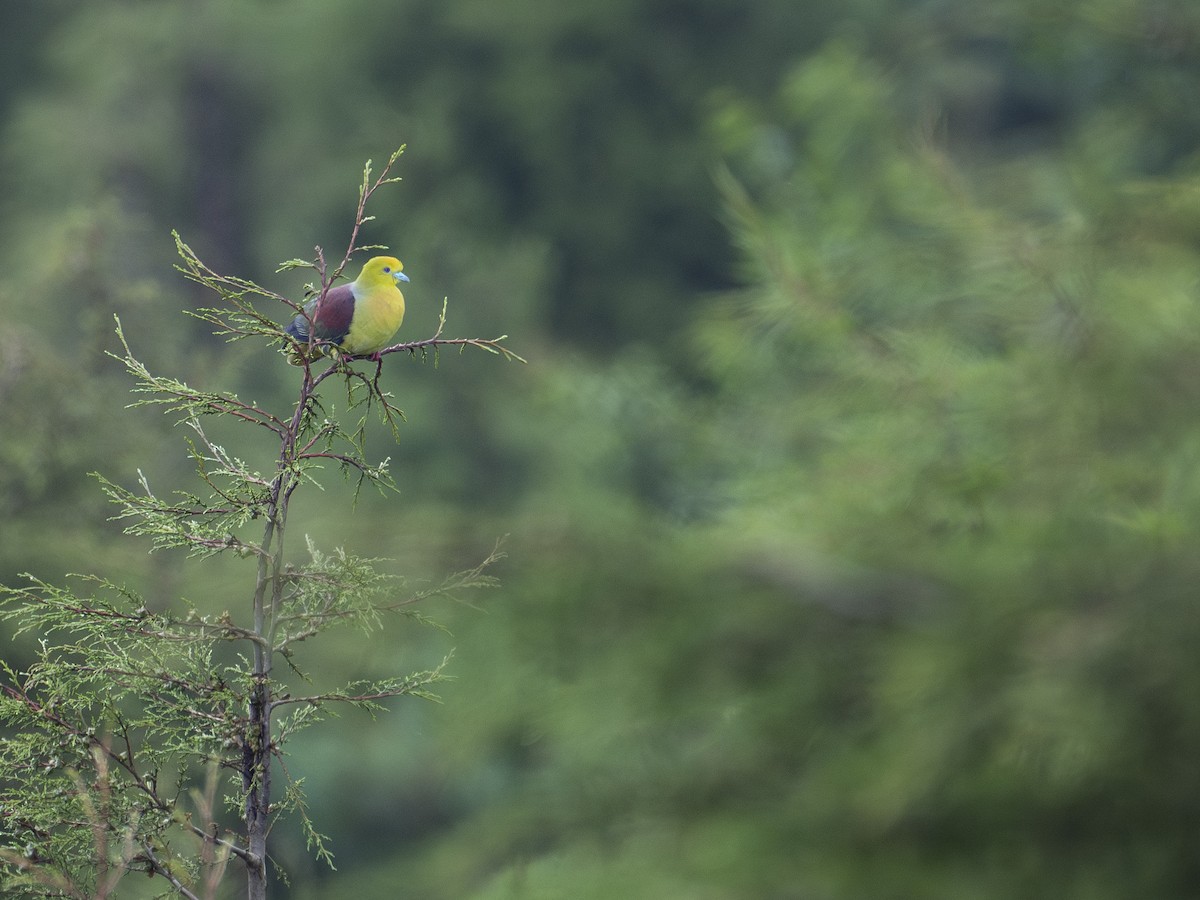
(360, 317)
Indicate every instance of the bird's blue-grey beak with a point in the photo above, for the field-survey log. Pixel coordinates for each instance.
(400, 276)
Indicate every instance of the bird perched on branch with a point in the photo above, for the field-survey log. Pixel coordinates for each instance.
(360, 317)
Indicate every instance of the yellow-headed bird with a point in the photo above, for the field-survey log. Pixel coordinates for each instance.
(360, 317)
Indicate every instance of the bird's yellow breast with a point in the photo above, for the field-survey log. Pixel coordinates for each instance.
(378, 312)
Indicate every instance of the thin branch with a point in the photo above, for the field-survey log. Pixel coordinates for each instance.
(164, 870)
(491, 345)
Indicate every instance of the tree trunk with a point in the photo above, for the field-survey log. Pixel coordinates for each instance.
(256, 782)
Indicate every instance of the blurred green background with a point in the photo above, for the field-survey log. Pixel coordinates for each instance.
(852, 489)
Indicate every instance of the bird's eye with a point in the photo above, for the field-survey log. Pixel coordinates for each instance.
(387, 268)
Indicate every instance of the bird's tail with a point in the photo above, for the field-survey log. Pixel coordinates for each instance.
(295, 342)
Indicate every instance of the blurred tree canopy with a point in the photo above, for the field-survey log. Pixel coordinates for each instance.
(852, 491)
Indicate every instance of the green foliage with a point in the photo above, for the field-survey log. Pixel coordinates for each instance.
(122, 709)
(964, 380)
(853, 537)
(930, 632)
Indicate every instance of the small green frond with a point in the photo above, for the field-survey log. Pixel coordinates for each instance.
(295, 264)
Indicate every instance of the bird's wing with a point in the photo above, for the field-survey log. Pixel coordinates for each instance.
(331, 321)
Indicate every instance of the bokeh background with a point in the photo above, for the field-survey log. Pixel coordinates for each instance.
(852, 490)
